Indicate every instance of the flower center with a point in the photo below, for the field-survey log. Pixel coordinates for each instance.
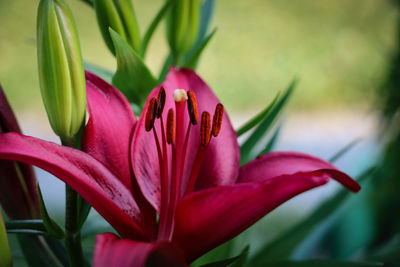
(176, 136)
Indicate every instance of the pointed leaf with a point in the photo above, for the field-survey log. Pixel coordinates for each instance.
(249, 149)
(283, 246)
(193, 60)
(155, 22)
(258, 118)
(344, 150)
(103, 73)
(132, 77)
(26, 224)
(227, 262)
(52, 228)
(207, 11)
(165, 67)
(272, 141)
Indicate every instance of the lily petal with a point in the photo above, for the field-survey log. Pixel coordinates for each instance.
(208, 218)
(108, 133)
(84, 174)
(113, 251)
(221, 163)
(18, 194)
(279, 163)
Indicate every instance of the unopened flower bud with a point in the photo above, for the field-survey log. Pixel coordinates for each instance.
(120, 16)
(61, 72)
(183, 25)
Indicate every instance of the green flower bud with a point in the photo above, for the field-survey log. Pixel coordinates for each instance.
(61, 72)
(5, 254)
(183, 25)
(120, 16)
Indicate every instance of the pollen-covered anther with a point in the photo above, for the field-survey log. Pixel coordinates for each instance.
(180, 95)
(217, 119)
(161, 101)
(205, 129)
(192, 107)
(151, 114)
(171, 126)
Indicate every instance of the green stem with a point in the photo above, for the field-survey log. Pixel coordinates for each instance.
(72, 232)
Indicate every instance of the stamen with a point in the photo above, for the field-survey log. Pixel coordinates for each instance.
(171, 126)
(217, 119)
(192, 107)
(205, 133)
(161, 102)
(180, 95)
(151, 114)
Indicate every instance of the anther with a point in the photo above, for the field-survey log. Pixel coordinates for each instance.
(151, 114)
(180, 95)
(217, 119)
(205, 133)
(171, 126)
(160, 101)
(192, 107)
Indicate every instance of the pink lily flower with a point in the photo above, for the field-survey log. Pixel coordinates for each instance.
(172, 163)
(18, 194)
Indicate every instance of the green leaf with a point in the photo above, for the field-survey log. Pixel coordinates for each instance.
(248, 150)
(99, 71)
(83, 211)
(51, 226)
(132, 77)
(25, 224)
(37, 251)
(256, 119)
(272, 141)
(156, 21)
(26, 231)
(164, 69)
(207, 11)
(319, 263)
(89, 2)
(344, 150)
(283, 246)
(222, 263)
(193, 60)
(5, 253)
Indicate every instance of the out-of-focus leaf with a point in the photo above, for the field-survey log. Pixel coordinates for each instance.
(194, 59)
(89, 2)
(227, 262)
(37, 251)
(272, 141)
(248, 150)
(25, 224)
(256, 119)
(99, 71)
(51, 226)
(26, 231)
(284, 245)
(132, 77)
(5, 253)
(164, 69)
(83, 211)
(156, 21)
(344, 150)
(319, 263)
(207, 11)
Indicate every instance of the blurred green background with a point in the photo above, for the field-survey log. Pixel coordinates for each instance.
(338, 49)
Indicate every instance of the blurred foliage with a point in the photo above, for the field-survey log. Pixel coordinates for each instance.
(338, 48)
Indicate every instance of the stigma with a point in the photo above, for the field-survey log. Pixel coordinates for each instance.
(180, 95)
